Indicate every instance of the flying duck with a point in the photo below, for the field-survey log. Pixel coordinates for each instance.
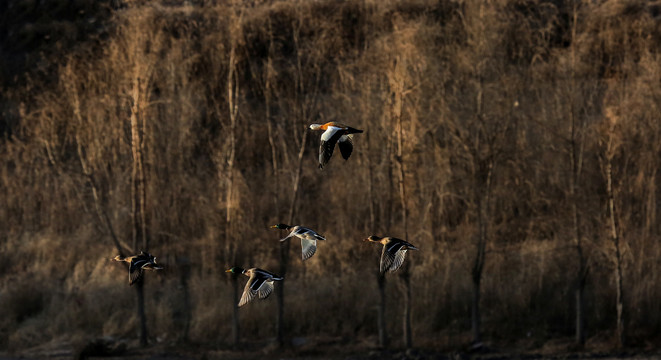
(137, 265)
(260, 283)
(308, 238)
(394, 251)
(334, 132)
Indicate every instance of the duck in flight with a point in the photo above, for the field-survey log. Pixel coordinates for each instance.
(334, 132)
(308, 238)
(137, 265)
(394, 251)
(260, 283)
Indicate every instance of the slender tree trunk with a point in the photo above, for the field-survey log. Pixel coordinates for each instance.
(615, 238)
(475, 309)
(478, 264)
(185, 266)
(396, 82)
(235, 310)
(284, 248)
(140, 238)
(380, 278)
(233, 106)
(581, 276)
(381, 319)
(476, 273)
(575, 153)
(405, 271)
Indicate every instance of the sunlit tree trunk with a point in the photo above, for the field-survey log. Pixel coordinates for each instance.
(232, 87)
(404, 272)
(139, 195)
(615, 239)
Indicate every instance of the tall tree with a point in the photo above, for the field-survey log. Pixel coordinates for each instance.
(575, 151)
(306, 73)
(232, 86)
(397, 79)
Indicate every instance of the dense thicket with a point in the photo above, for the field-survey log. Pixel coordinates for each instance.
(505, 106)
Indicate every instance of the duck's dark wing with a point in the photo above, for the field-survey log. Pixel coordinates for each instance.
(140, 263)
(267, 274)
(351, 130)
(306, 233)
(346, 145)
(328, 140)
(265, 290)
(398, 260)
(135, 270)
(390, 256)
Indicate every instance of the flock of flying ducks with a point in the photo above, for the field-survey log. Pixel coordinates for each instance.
(260, 282)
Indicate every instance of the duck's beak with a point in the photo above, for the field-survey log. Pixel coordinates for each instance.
(274, 226)
(228, 270)
(366, 239)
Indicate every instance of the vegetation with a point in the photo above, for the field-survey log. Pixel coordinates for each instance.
(516, 143)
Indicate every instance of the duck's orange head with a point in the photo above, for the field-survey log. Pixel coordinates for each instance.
(373, 238)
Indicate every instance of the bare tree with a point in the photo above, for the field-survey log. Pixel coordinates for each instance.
(397, 89)
(138, 188)
(610, 146)
(306, 75)
(575, 151)
(233, 106)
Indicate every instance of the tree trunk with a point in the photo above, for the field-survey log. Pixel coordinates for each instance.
(381, 315)
(475, 309)
(575, 154)
(397, 103)
(478, 264)
(139, 195)
(284, 249)
(185, 266)
(615, 238)
(581, 276)
(235, 310)
(233, 106)
(380, 278)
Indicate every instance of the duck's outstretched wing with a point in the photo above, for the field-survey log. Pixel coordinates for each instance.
(135, 273)
(328, 140)
(398, 260)
(259, 285)
(391, 259)
(265, 290)
(308, 248)
(345, 143)
(250, 290)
